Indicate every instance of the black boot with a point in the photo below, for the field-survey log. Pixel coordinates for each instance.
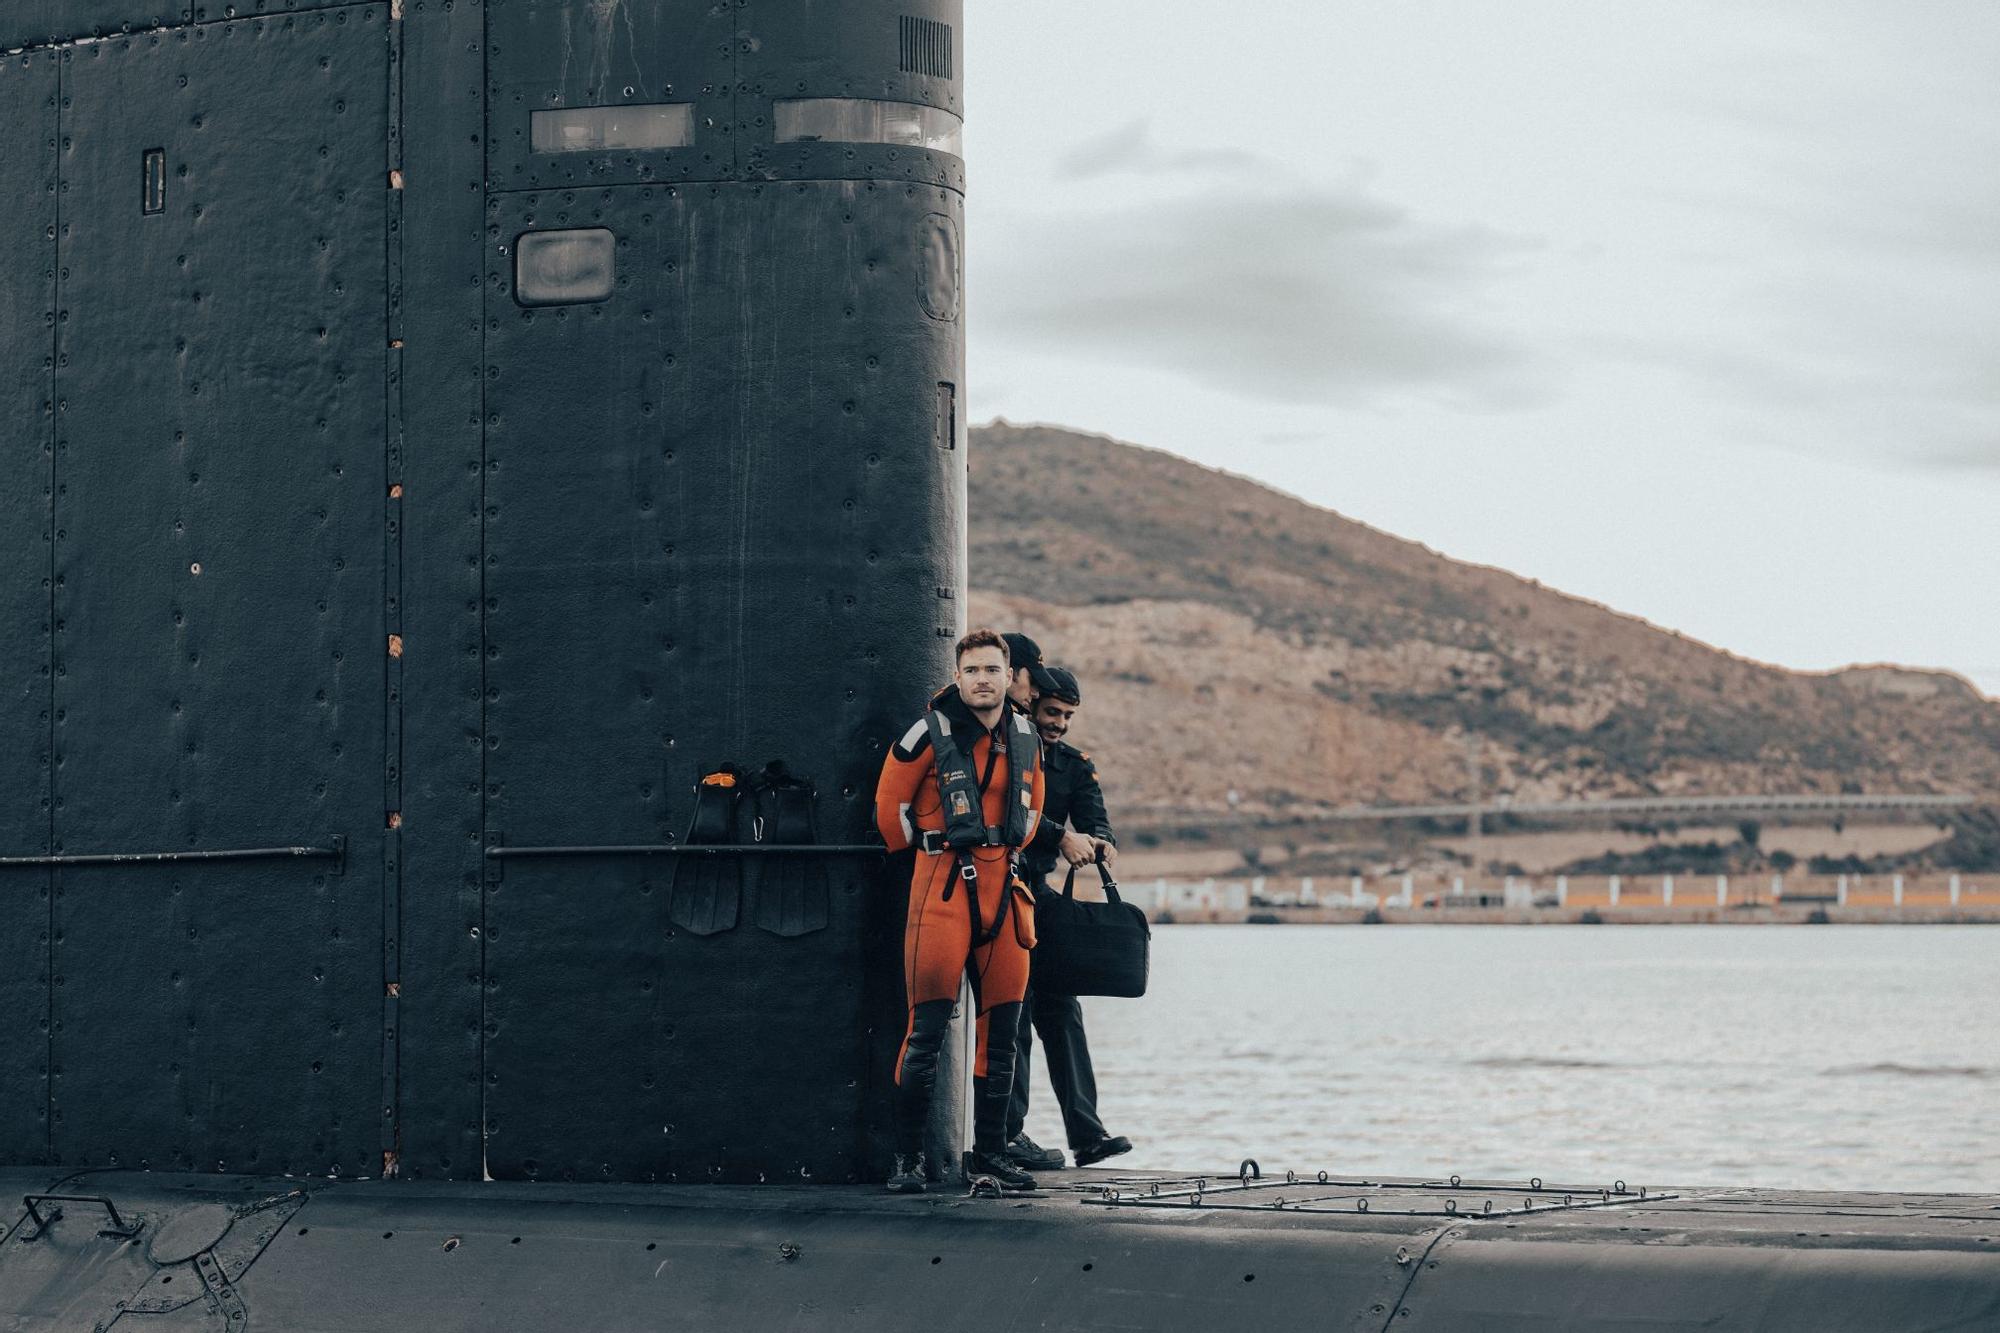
(1029, 1155)
(1109, 1146)
(1000, 1167)
(917, 1075)
(991, 1094)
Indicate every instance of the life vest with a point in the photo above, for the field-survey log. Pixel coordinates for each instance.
(959, 787)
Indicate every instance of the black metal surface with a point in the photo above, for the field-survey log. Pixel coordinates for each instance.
(693, 488)
(356, 1256)
(332, 545)
(550, 54)
(40, 23)
(846, 50)
(723, 488)
(438, 453)
(27, 444)
(218, 643)
(1474, 1277)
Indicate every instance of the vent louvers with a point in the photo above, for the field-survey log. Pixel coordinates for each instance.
(926, 47)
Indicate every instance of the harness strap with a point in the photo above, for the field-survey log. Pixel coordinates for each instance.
(963, 865)
(964, 868)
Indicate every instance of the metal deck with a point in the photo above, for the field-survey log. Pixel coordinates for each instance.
(1092, 1249)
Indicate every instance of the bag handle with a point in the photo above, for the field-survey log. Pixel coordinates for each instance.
(1103, 875)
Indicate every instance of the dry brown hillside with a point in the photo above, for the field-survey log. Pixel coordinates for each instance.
(1233, 637)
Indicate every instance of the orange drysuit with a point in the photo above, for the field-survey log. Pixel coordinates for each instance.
(938, 942)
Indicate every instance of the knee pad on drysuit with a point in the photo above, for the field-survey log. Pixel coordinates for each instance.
(916, 1072)
(993, 1091)
(928, 1023)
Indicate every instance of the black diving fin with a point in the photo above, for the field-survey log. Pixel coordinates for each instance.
(706, 891)
(791, 897)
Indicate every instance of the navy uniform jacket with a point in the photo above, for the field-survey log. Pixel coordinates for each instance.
(1072, 797)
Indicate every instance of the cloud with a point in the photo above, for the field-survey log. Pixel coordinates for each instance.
(1277, 291)
(1900, 372)
(1859, 232)
(1981, 455)
(1132, 148)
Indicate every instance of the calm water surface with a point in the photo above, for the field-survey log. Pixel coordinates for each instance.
(1823, 1057)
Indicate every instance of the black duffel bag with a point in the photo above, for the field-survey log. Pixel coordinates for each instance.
(1086, 948)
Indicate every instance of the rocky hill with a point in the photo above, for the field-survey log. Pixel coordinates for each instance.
(1234, 638)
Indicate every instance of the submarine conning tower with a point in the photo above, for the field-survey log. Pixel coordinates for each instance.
(435, 433)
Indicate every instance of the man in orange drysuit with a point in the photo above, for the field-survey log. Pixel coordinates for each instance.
(964, 787)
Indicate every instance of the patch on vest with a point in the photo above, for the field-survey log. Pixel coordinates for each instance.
(961, 806)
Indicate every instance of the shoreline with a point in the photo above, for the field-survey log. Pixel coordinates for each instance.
(1950, 898)
(1801, 914)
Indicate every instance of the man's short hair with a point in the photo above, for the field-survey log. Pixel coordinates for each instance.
(1022, 651)
(982, 638)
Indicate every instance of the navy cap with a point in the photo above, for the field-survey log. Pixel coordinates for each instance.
(1022, 651)
(1057, 681)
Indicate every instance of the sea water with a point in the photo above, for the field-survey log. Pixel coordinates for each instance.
(1824, 1057)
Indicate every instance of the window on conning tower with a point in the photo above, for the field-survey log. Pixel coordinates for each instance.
(593, 129)
(860, 120)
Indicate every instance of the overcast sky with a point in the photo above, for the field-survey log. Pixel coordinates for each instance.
(1690, 308)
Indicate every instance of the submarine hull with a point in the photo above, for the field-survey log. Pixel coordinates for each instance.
(353, 1256)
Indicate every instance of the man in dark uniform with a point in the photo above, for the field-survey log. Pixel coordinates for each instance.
(1071, 796)
(1024, 658)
